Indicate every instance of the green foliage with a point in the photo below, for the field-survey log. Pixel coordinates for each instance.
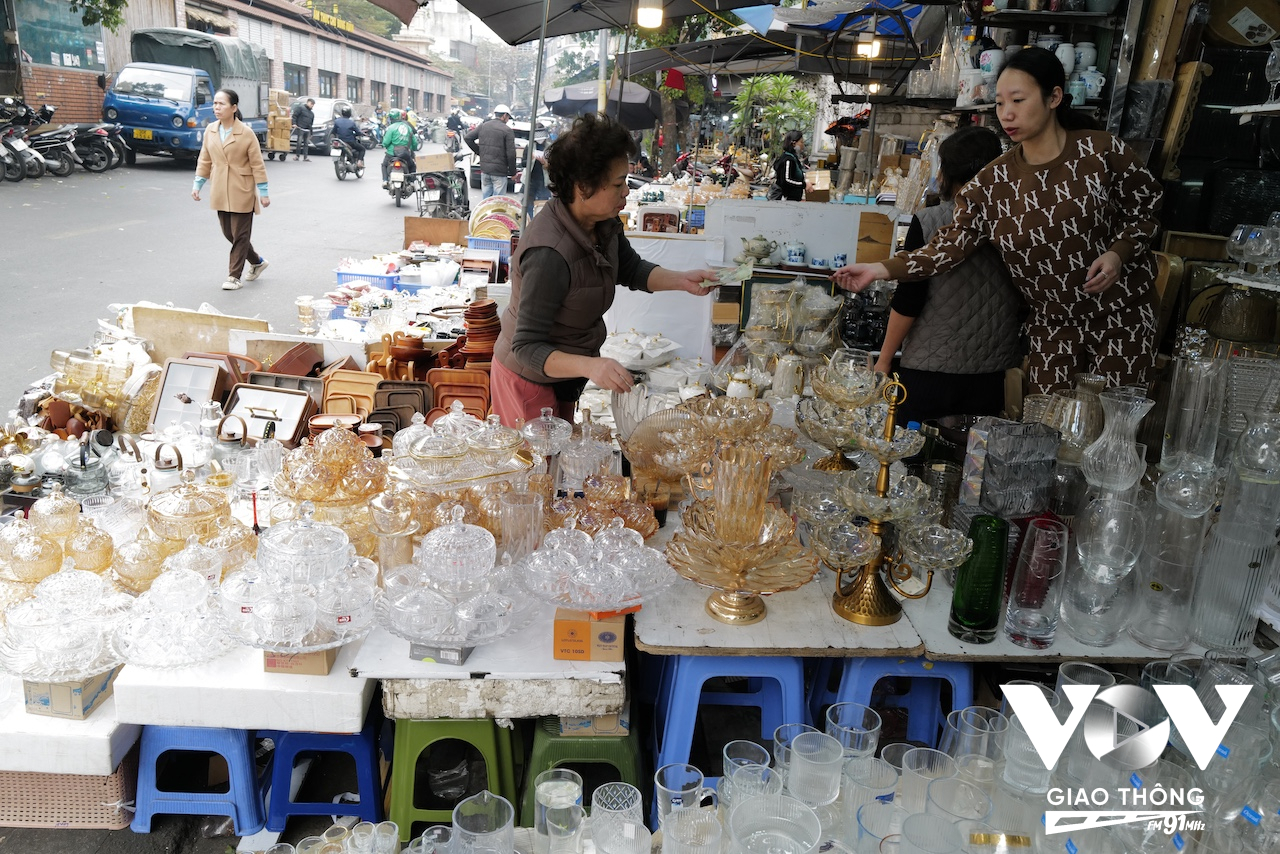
(109, 13)
(365, 15)
(779, 102)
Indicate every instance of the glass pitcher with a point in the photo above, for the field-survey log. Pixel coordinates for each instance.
(483, 824)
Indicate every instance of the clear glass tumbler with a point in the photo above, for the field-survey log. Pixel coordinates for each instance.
(1031, 618)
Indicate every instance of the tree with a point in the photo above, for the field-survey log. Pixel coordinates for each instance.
(781, 104)
(109, 13)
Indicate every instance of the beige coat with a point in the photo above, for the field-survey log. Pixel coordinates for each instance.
(233, 169)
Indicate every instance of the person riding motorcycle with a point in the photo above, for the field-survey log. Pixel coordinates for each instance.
(455, 122)
(399, 140)
(345, 129)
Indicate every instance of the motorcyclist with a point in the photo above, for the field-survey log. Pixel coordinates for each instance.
(399, 140)
(346, 129)
(455, 122)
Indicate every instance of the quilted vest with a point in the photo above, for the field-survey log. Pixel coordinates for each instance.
(969, 324)
(579, 326)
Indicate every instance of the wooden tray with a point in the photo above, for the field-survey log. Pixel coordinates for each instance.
(257, 405)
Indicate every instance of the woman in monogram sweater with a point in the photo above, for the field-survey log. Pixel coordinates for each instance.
(1072, 212)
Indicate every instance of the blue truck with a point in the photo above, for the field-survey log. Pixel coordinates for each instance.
(164, 98)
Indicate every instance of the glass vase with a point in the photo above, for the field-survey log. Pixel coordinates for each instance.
(976, 604)
(1195, 410)
(740, 488)
(1167, 566)
(1113, 461)
(1097, 601)
(1232, 575)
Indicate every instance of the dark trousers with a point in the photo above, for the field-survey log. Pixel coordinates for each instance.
(304, 143)
(238, 229)
(932, 395)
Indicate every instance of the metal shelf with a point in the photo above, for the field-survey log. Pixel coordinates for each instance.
(1256, 284)
(1022, 16)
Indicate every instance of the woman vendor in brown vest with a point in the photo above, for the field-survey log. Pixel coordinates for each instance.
(571, 258)
(1072, 212)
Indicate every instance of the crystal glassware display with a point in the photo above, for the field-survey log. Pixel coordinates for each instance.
(493, 444)
(614, 571)
(60, 633)
(174, 624)
(1098, 597)
(1195, 410)
(828, 425)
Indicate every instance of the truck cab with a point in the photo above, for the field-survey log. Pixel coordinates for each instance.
(164, 98)
(164, 108)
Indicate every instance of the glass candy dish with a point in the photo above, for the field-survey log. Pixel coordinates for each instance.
(847, 389)
(547, 435)
(740, 575)
(829, 426)
(302, 551)
(414, 611)
(613, 572)
(177, 623)
(43, 644)
(494, 445)
(904, 498)
(844, 545)
(934, 548)
(667, 445)
(869, 423)
(730, 419)
(780, 443)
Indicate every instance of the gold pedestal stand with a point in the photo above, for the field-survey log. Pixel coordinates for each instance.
(866, 600)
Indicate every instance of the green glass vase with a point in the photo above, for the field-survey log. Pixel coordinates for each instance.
(977, 604)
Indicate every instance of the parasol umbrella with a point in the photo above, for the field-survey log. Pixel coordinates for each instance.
(633, 105)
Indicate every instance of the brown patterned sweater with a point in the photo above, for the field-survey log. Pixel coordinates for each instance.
(1049, 222)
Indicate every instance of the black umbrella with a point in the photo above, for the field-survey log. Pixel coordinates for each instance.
(633, 105)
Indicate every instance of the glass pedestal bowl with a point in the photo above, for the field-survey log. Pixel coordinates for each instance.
(830, 427)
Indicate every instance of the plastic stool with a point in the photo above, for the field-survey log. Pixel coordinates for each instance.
(923, 702)
(413, 738)
(551, 750)
(777, 684)
(362, 747)
(243, 799)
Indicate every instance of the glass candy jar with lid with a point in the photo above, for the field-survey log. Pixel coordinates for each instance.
(438, 452)
(302, 551)
(233, 541)
(190, 508)
(204, 561)
(547, 434)
(89, 547)
(457, 551)
(138, 563)
(55, 515)
(403, 440)
(339, 448)
(457, 422)
(30, 557)
(494, 444)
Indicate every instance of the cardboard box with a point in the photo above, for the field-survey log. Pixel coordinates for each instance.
(302, 664)
(895, 161)
(1245, 23)
(71, 700)
(434, 231)
(617, 725)
(435, 162)
(579, 637)
(819, 178)
(725, 312)
(818, 196)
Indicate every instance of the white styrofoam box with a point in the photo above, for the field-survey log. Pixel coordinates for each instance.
(93, 746)
(234, 692)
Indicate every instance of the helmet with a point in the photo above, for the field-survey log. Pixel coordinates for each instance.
(395, 115)
(501, 109)
(346, 112)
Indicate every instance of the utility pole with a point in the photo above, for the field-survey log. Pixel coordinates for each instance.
(602, 49)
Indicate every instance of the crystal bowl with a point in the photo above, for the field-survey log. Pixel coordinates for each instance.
(935, 547)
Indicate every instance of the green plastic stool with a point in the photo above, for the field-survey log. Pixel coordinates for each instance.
(413, 738)
(551, 750)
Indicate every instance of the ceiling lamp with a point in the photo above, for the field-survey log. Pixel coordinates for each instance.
(649, 14)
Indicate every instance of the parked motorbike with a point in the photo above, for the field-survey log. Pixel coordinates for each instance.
(54, 144)
(9, 166)
(30, 163)
(98, 146)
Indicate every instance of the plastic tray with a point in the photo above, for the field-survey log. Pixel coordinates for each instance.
(386, 281)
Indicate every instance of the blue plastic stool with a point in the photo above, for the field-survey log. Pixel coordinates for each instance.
(777, 689)
(923, 702)
(362, 747)
(243, 799)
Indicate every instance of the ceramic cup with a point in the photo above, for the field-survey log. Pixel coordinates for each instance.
(839, 260)
(821, 263)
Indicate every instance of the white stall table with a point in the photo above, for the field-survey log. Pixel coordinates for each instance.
(234, 692)
(516, 677)
(35, 743)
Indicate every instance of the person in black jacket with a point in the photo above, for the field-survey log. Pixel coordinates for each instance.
(303, 120)
(495, 142)
(788, 169)
(345, 129)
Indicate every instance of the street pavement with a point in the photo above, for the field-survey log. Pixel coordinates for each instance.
(71, 247)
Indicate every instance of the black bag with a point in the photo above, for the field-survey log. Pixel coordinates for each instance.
(775, 193)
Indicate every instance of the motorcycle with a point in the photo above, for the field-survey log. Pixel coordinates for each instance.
(452, 141)
(29, 162)
(99, 146)
(401, 183)
(344, 157)
(54, 144)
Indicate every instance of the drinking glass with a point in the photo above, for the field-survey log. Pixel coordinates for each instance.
(782, 738)
(521, 523)
(970, 732)
(554, 788)
(1272, 71)
(484, 824)
(866, 779)
(923, 833)
(1082, 673)
(1023, 768)
(361, 839)
(736, 754)
(691, 831)
(564, 828)
(920, 766)
(678, 787)
(878, 823)
(616, 802)
(1236, 243)
(1166, 673)
(775, 824)
(1031, 619)
(855, 726)
(750, 781)
(309, 845)
(814, 775)
(622, 837)
(386, 837)
(282, 848)
(336, 835)
(957, 800)
(893, 753)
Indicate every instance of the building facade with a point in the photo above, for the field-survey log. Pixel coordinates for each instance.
(312, 53)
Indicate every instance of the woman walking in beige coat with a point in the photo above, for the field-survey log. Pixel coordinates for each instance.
(231, 163)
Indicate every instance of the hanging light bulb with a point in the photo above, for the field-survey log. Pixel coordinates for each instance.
(649, 14)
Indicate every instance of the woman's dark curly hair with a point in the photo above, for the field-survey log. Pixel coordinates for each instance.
(580, 159)
(963, 155)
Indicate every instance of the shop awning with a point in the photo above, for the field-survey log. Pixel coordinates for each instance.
(745, 54)
(635, 106)
(213, 19)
